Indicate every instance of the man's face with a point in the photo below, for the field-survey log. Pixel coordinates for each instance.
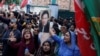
(12, 24)
(63, 29)
(36, 30)
(45, 19)
(29, 25)
(72, 28)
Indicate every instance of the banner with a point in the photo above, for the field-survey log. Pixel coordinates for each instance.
(44, 26)
(85, 42)
(93, 15)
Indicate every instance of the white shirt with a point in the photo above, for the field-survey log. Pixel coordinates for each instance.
(30, 2)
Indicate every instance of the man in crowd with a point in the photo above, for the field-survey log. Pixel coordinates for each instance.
(7, 50)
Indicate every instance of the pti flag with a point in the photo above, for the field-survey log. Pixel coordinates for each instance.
(85, 41)
(93, 13)
(2, 3)
(23, 3)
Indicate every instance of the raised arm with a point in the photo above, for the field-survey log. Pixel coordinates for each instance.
(54, 36)
(4, 20)
(14, 45)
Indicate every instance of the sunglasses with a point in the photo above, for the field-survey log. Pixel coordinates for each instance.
(11, 22)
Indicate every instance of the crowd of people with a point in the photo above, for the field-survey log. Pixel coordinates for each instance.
(20, 34)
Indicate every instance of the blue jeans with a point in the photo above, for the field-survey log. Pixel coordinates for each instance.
(28, 8)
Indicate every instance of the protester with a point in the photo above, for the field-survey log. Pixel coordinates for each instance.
(66, 23)
(11, 15)
(28, 27)
(66, 46)
(63, 31)
(45, 50)
(72, 30)
(3, 28)
(36, 39)
(26, 47)
(7, 50)
(62, 42)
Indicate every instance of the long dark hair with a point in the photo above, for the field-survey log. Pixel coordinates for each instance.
(41, 51)
(30, 46)
(56, 28)
(69, 36)
(49, 45)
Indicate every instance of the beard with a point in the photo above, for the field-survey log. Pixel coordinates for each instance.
(11, 27)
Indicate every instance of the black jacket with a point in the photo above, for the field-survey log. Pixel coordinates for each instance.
(7, 49)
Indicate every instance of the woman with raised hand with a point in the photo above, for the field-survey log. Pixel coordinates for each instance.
(67, 47)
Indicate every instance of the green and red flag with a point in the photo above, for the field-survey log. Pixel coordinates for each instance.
(85, 41)
(93, 14)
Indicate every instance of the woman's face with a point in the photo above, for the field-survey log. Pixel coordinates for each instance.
(67, 37)
(27, 35)
(45, 19)
(46, 47)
